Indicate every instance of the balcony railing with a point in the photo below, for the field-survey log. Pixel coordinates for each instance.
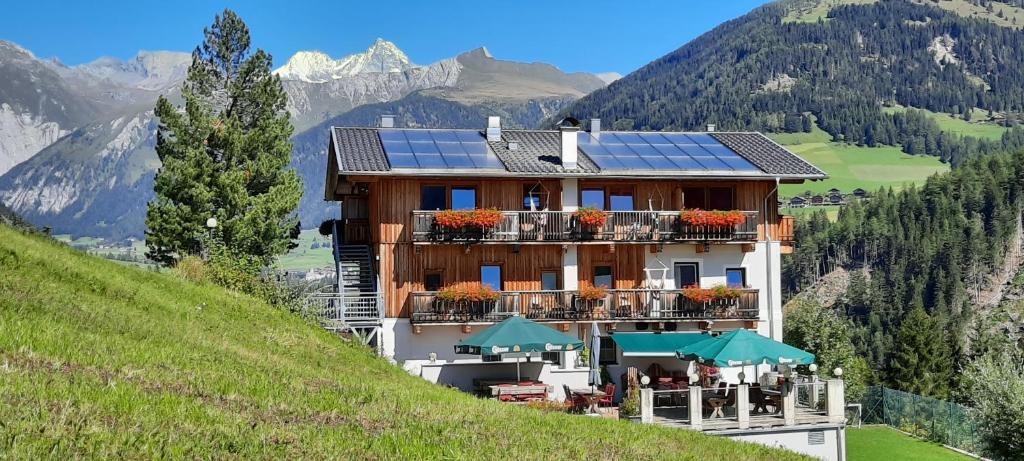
(563, 305)
(563, 226)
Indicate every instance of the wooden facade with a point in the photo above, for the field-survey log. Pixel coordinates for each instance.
(404, 265)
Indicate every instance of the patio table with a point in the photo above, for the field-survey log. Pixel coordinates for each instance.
(591, 396)
(776, 398)
(520, 392)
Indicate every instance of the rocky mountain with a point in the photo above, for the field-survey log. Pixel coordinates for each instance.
(842, 61)
(320, 87)
(317, 67)
(37, 106)
(94, 168)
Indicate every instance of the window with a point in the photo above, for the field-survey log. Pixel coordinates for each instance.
(491, 276)
(463, 198)
(592, 198)
(693, 197)
(433, 281)
(603, 276)
(536, 196)
(687, 275)
(553, 357)
(736, 277)
(432, 198)
(609, 353)
(549, 280)
(720, 198)
(621, 200)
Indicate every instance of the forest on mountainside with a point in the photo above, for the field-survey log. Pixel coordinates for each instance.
(919, 259)
(759, 72)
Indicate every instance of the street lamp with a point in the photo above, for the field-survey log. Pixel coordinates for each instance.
(211, 224)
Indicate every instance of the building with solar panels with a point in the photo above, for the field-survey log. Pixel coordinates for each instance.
(444, 232)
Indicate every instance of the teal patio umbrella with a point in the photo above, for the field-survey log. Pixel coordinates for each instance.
(743, 347)
(516, 335)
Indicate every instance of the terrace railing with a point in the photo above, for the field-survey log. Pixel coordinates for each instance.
(564, 305)
(563, 226)
(339, 311)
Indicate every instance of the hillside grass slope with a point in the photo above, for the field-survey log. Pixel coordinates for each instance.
(99, 360)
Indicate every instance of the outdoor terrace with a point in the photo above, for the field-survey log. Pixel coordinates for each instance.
(567, 305)
(745, 406)
(534, 227)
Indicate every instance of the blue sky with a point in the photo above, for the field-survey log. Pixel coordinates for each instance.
(591, 35)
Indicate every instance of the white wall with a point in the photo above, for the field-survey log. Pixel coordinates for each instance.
(834, 448)
(712, 272)
(412, 352)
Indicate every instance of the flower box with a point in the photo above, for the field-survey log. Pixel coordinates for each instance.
(710, 295)
(711, 218)
(591, 294)
(468, 223)
(468, 293)
(591, 217)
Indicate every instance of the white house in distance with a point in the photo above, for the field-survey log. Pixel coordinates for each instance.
(580, 226)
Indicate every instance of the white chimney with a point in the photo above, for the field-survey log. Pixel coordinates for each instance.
(493, 129)
(569, 141)
(387, 121)
(711, 127)
(595, 128)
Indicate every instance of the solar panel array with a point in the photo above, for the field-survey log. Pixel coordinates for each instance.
(661, 151)
(438, 149)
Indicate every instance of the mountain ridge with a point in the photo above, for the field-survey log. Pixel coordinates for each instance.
(81, 166)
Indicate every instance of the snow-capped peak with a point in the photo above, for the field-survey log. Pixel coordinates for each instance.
(317, 67)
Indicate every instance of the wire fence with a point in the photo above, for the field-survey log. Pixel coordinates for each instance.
(937, 420)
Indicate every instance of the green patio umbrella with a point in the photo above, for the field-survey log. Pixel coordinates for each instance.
(743, 347)
(516, 335)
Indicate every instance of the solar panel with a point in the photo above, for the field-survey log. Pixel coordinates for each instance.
(661, 151)
(437, 149)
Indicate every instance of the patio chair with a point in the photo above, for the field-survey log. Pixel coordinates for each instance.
(760, 401)
(577, 403)
(624, 308)
(609, 398)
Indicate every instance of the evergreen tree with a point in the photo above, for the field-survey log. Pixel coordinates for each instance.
(921, 362)
(225, 155)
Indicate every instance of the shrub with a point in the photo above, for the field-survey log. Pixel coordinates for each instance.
(327, 228)
(591, 217)
(712, 218)
(589, 293)
(630, 403)
(191, 268)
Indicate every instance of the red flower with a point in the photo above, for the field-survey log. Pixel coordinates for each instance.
(472, 292)
(590, 216)
(589, 293)
(702, 295)
(458, 219)
(698, 217)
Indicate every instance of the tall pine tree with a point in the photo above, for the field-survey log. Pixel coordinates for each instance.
(225, 155)
(921, 362)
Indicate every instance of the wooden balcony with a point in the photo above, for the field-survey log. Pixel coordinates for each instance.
(538, 227)
(562, 306)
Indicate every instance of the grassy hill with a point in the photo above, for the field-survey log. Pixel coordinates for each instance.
(879, 442)
(100, 360)
(850, 166)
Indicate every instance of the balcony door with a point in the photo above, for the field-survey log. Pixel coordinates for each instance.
(687, 274)
(355, 214)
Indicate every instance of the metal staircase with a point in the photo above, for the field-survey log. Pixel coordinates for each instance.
(353, 305)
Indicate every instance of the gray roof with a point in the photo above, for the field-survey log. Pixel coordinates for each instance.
(537, 152)
(359, 151)
(767, 154)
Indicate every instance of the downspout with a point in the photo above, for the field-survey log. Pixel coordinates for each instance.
(768, 262)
